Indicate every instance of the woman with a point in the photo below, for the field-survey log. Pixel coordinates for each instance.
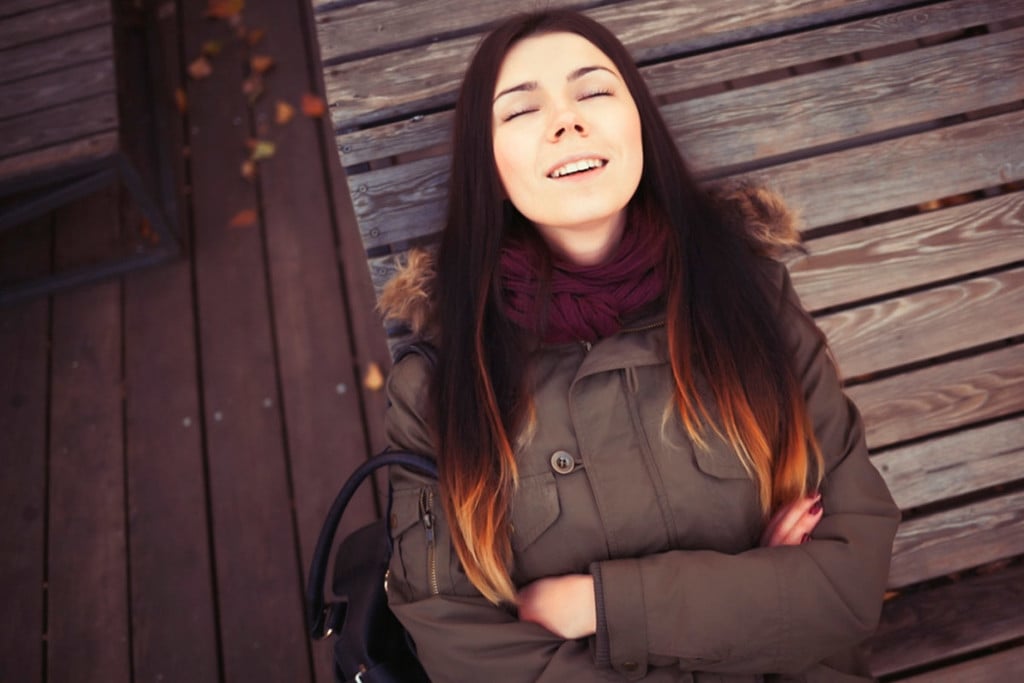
(648, 470)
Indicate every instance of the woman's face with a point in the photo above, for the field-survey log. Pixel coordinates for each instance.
(567, 142)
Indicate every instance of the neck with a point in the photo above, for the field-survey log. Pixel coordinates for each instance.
(585, 245)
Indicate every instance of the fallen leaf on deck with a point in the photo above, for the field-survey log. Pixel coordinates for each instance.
(283, 112)
(249, 170)
(261, 149)
(212, 48)
(252, 87)
(224, 9)
(254, 36)
(374, 379)
(181, 100)
(261, 63)
(246, 218)
(313, 105)
(200, 68)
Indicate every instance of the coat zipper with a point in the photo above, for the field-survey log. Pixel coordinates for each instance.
(427, 517)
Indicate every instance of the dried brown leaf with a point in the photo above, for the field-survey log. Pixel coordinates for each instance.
(200, 68)
(246, 218)
(212, 48)
(249, 170)
(261, 63)
(374, 378)
(224, 9)
(262, 149)
(180, 100)
(255, 36)
(252, 87)
(283, 112)
(313, 105)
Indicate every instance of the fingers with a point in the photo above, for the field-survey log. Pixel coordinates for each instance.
(793, 523)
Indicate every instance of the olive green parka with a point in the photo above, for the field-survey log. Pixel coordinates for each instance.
(611, 485)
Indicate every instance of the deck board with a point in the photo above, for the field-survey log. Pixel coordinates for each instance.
(24, 365)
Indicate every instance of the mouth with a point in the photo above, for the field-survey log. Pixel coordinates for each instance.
(577, 167)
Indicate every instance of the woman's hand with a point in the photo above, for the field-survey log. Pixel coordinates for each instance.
(792, 524)
(563, 605)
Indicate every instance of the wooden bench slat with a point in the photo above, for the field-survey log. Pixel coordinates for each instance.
(55, 20)
(942, 397)
(427, 77)
(841, 186)
(89, 45)
(11, 7)
(31, 96)
(384, 25)
(83, 152)
(748, 126)
(688, 73)
(407, 202)
(896, 255)
(67, 122)
(926, 324)
(958, 539)
(1007, 665)
(952, 465)
(953, 619)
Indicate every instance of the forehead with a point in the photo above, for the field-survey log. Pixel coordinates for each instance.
(549, 55)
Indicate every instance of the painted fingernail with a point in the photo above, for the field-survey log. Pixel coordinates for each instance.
(816, 508)
(805, 538)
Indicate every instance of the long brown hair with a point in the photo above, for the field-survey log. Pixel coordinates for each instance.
(721, 320)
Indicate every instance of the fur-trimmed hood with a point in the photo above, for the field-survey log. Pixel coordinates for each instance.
(773, 229)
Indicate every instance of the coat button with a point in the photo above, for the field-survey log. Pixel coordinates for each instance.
(562, 462)
(630, 666)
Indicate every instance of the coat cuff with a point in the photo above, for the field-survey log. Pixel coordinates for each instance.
(621, 638)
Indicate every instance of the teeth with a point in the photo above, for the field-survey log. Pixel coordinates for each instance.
(576, 167)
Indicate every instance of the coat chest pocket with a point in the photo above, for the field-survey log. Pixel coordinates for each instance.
(534, 509)
(720, 463)
(414, 566)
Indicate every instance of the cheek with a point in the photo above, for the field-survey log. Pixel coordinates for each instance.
(510, 160)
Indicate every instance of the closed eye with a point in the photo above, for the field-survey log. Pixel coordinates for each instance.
(518, 113)
(595, 93)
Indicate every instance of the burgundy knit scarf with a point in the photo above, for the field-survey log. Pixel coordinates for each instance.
(584, 303)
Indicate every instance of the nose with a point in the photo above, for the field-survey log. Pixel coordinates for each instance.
(564, 120)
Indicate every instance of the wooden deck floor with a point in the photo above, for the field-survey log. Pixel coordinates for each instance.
(171, 439)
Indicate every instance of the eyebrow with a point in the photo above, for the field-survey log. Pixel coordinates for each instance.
(529, 86)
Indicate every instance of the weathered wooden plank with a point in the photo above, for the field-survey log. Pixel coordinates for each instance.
(172, 593)
(891, 256)
(87, 151)
(319, 375)
(54, 20)
(262, 638)
(173, 583)
(88, 630)
(57, 88)
(926, 324)
(12, 7)
(954, 540)
(841, 186)
(73, 121)
(24, 355)
(384, 25)
(689, 73)
(407, 202)
(427, 77)
(747, 127)
(1007, 665)
(955, 464)
(82, 47)
(942, 397)
(953, 619)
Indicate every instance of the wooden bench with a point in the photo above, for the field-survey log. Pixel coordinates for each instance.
(79, 111)
(896, 129)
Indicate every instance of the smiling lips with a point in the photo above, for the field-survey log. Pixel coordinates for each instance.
(577, 166)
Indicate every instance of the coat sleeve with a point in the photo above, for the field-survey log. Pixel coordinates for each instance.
(779, 609)
(459, 635)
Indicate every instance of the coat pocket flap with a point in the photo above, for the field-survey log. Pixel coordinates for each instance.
(535, 508)
(721, 463)
(405, 510)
